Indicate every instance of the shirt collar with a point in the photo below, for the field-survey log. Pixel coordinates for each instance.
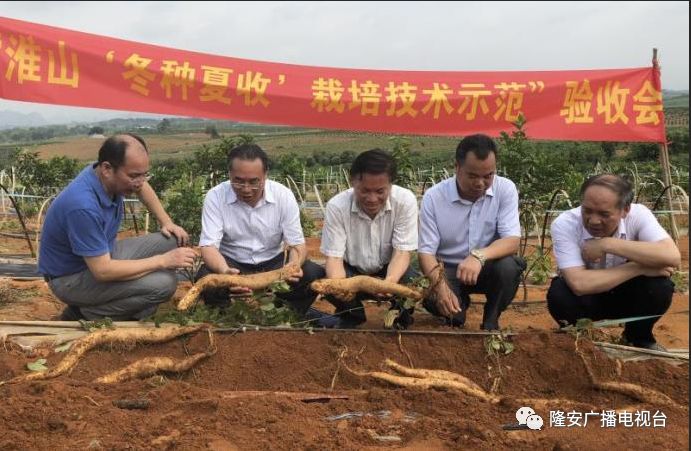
(453, 196)
(103, 198)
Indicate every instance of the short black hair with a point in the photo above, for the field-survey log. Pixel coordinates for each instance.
(619, 185)
(113, 149)
(481, 145)
(374, 161)
(248, 152)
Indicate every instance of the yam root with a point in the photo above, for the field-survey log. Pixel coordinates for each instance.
(253, 281)
(109, 336)
(346, 289)
(638, 392)
(643, 394)
(153, 365)
(432, 374)
(428, 382)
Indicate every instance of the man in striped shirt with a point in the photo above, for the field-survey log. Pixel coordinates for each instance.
(246, 222)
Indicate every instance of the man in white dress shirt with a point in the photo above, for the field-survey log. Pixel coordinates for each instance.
(614, 259)
(246, 222)
(370, 229)
(470, 223)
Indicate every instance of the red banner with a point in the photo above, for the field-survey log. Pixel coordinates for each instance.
(53, 65)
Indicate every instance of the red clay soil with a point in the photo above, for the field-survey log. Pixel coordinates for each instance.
(189, 411)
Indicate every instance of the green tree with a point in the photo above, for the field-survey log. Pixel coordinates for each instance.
(164, 126)
(183, 201)
(212, 131)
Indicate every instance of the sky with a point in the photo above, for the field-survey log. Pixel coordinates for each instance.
(456, 36)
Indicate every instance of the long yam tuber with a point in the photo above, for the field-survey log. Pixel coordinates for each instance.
(252, 281)
(130, 335)
(346, 289)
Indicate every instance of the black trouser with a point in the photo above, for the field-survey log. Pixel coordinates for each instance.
(353, 312)
(640, 296)
(498, 281)
(300, 297)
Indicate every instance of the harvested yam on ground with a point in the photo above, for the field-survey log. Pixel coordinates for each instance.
(643, 394)
(426, 379)
(433, 374)
(256, 281)
(153, 365)
(108, 336)
(346, 289)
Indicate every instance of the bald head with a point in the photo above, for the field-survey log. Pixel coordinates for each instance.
(114, 149)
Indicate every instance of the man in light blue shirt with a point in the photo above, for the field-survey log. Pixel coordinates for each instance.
(470, 224)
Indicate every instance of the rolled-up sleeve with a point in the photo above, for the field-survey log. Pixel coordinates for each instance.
(212, 219)
(333, 242)
(508, 223)
(292, 229)
(405, 233)
(429, 232)
(566, 241)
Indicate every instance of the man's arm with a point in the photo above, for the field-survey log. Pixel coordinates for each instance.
(584, 281)
(469, 269)
(297, 254)
(215, 262)
(334, 268)
(657, 254)
(501, 248)
(106, 269)
(148, 197)
(447, 302)
(400, 260)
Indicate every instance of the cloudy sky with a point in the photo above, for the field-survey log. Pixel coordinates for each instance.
(392, 35)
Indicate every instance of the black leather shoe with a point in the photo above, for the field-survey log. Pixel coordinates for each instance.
(405, 319)
(71, 313)
(458, 320)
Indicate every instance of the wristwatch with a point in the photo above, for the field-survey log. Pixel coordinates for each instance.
(479, 255)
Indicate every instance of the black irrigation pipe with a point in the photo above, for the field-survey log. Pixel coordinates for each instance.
(253, 328)
(21, 219)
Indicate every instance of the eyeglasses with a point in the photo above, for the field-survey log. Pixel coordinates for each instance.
(143, 177)
(253, 185)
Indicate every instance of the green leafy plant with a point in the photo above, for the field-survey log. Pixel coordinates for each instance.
(92, 326)
(184, 201)
(401, 304)
(496, 346)
(261, 308)
(539, 267)
(38, 366)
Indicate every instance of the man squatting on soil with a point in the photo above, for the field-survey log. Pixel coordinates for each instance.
(470, 223)
(82, 261)
(615, 261)
(245, 223)
(370, 229)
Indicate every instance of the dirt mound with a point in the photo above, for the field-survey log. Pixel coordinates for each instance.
(196, 410)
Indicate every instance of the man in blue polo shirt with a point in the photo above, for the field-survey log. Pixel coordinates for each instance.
(470, 223)
(80, 258)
